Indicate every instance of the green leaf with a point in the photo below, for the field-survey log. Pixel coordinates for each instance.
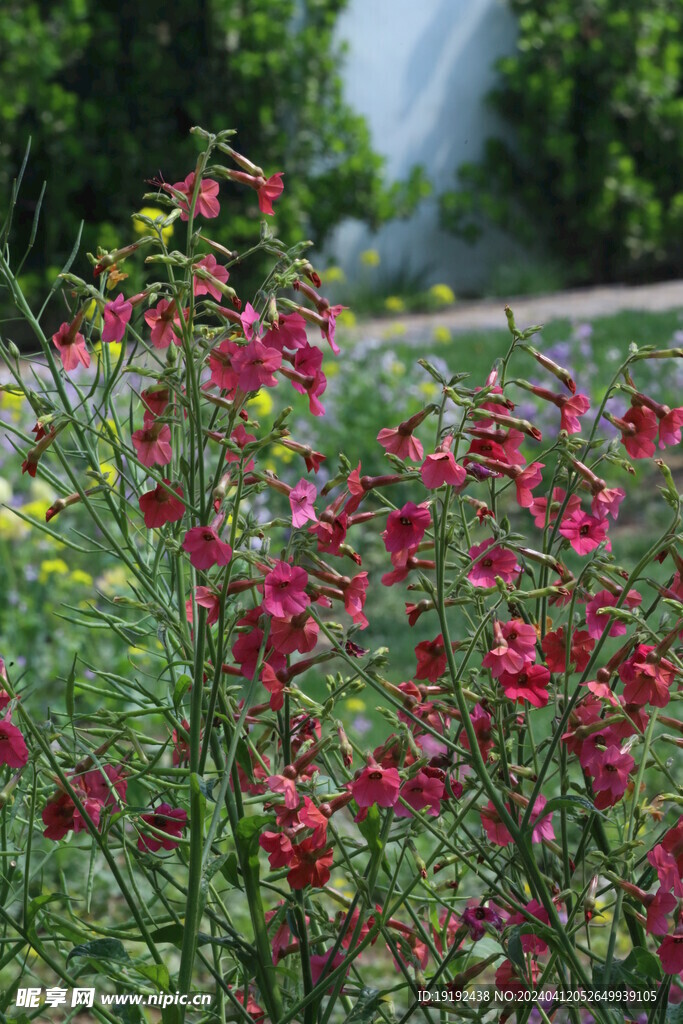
(248, 828)
(100, 949)
(370, 829)
(172, 933)
(571, 803)
(157, 973)
(642, 962)
(515, 951)
(70, 689)
(181, 688)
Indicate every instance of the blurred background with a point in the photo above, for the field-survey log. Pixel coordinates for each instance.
(494, 146)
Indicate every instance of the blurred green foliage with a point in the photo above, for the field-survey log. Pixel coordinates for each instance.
(591, 107)
(109, 91)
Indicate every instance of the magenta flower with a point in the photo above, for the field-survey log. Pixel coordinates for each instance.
(496, 561)
(207, 204)
(248, 318)
(406, 527)
(539, 506)
(475, 918)
(638, 431)
(207, 598)
(285, 590)
(172, 821)
(376, 785)
(308, 361)
(255, 364)
(531, 943)
(205, 547)
(116, 317)
(610, 769)
(163, 320)
(301, 499)
(530, 684)
(70, 344)
(201, 286)
(159, 506)
(354, 599)
(597, 623)
(659, 908)
(670, 953)
(584, 532)
(422, 791)
(647, 681)
(223, 374)
(664, 863)
(268, 192)
(153, 444)
(13, 749)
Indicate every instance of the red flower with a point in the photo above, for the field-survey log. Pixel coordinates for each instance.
(181, 747)
(531, 684)
(400, 441)
(584, 532)
(496, 561)
(159, 506)
(441, 468)
(116, 317)
(96, 790)
(670, 428)
(285, 590)
(170, 820)
(570, 410)
(406, 527)
(554, 646)
(205, 547)
(310, 865)
(431, 659)
(70, 344)
(638, 430)
(311, 381)
(13, 749)
(299, 633)
(525, 482)
(376, 785)
(481, 723)
(647, 681)
(539, 505)
(206, 598)
(207, 204)
(153, 444)
(354, 598)
(531, 943)
(268, 192)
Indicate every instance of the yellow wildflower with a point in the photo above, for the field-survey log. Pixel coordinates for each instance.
(370, 258)
(261, 404)
(355, 704)
(79, 576)
(442, 335)
(346, 318)
(394, 304)
(333, 275)
(52, 566)
(441, 295)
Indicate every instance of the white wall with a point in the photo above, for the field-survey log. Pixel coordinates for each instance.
(419, 71)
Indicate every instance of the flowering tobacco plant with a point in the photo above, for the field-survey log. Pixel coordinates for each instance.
(518, 825)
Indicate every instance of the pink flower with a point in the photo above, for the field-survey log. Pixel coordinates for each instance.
(299, 633)
(268, 192)
(13, 749)
(610, 769)
(220, 360)
(308, 362)
(659, 907)
(530, 684)
(401, 443)
(597, 623)
(585, 533)
(496, 561)
(376, 785)
(406, 527)
(423, 790)
(431, 659)
(290, 332)
(647, 681)
(670, 953)
(207, 204)
(207, 598)
(329, 315)
(666, 866)
(525, 482)
(670, 428)
(205, 547)
(570, 410)
(607, 502)
(153, 444)
(531, 943)
(248, 318)
(159, 506)
(163, 320)
(172, 821)
(441, 468)
(255, 364)
(70, 344)
(539, 505)
(116, 317)
(354, 599)
(285, 590)
(498, 834)
(301, 499)
(325, 963)
(203, 287)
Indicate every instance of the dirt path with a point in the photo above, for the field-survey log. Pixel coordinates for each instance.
(576, 304)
